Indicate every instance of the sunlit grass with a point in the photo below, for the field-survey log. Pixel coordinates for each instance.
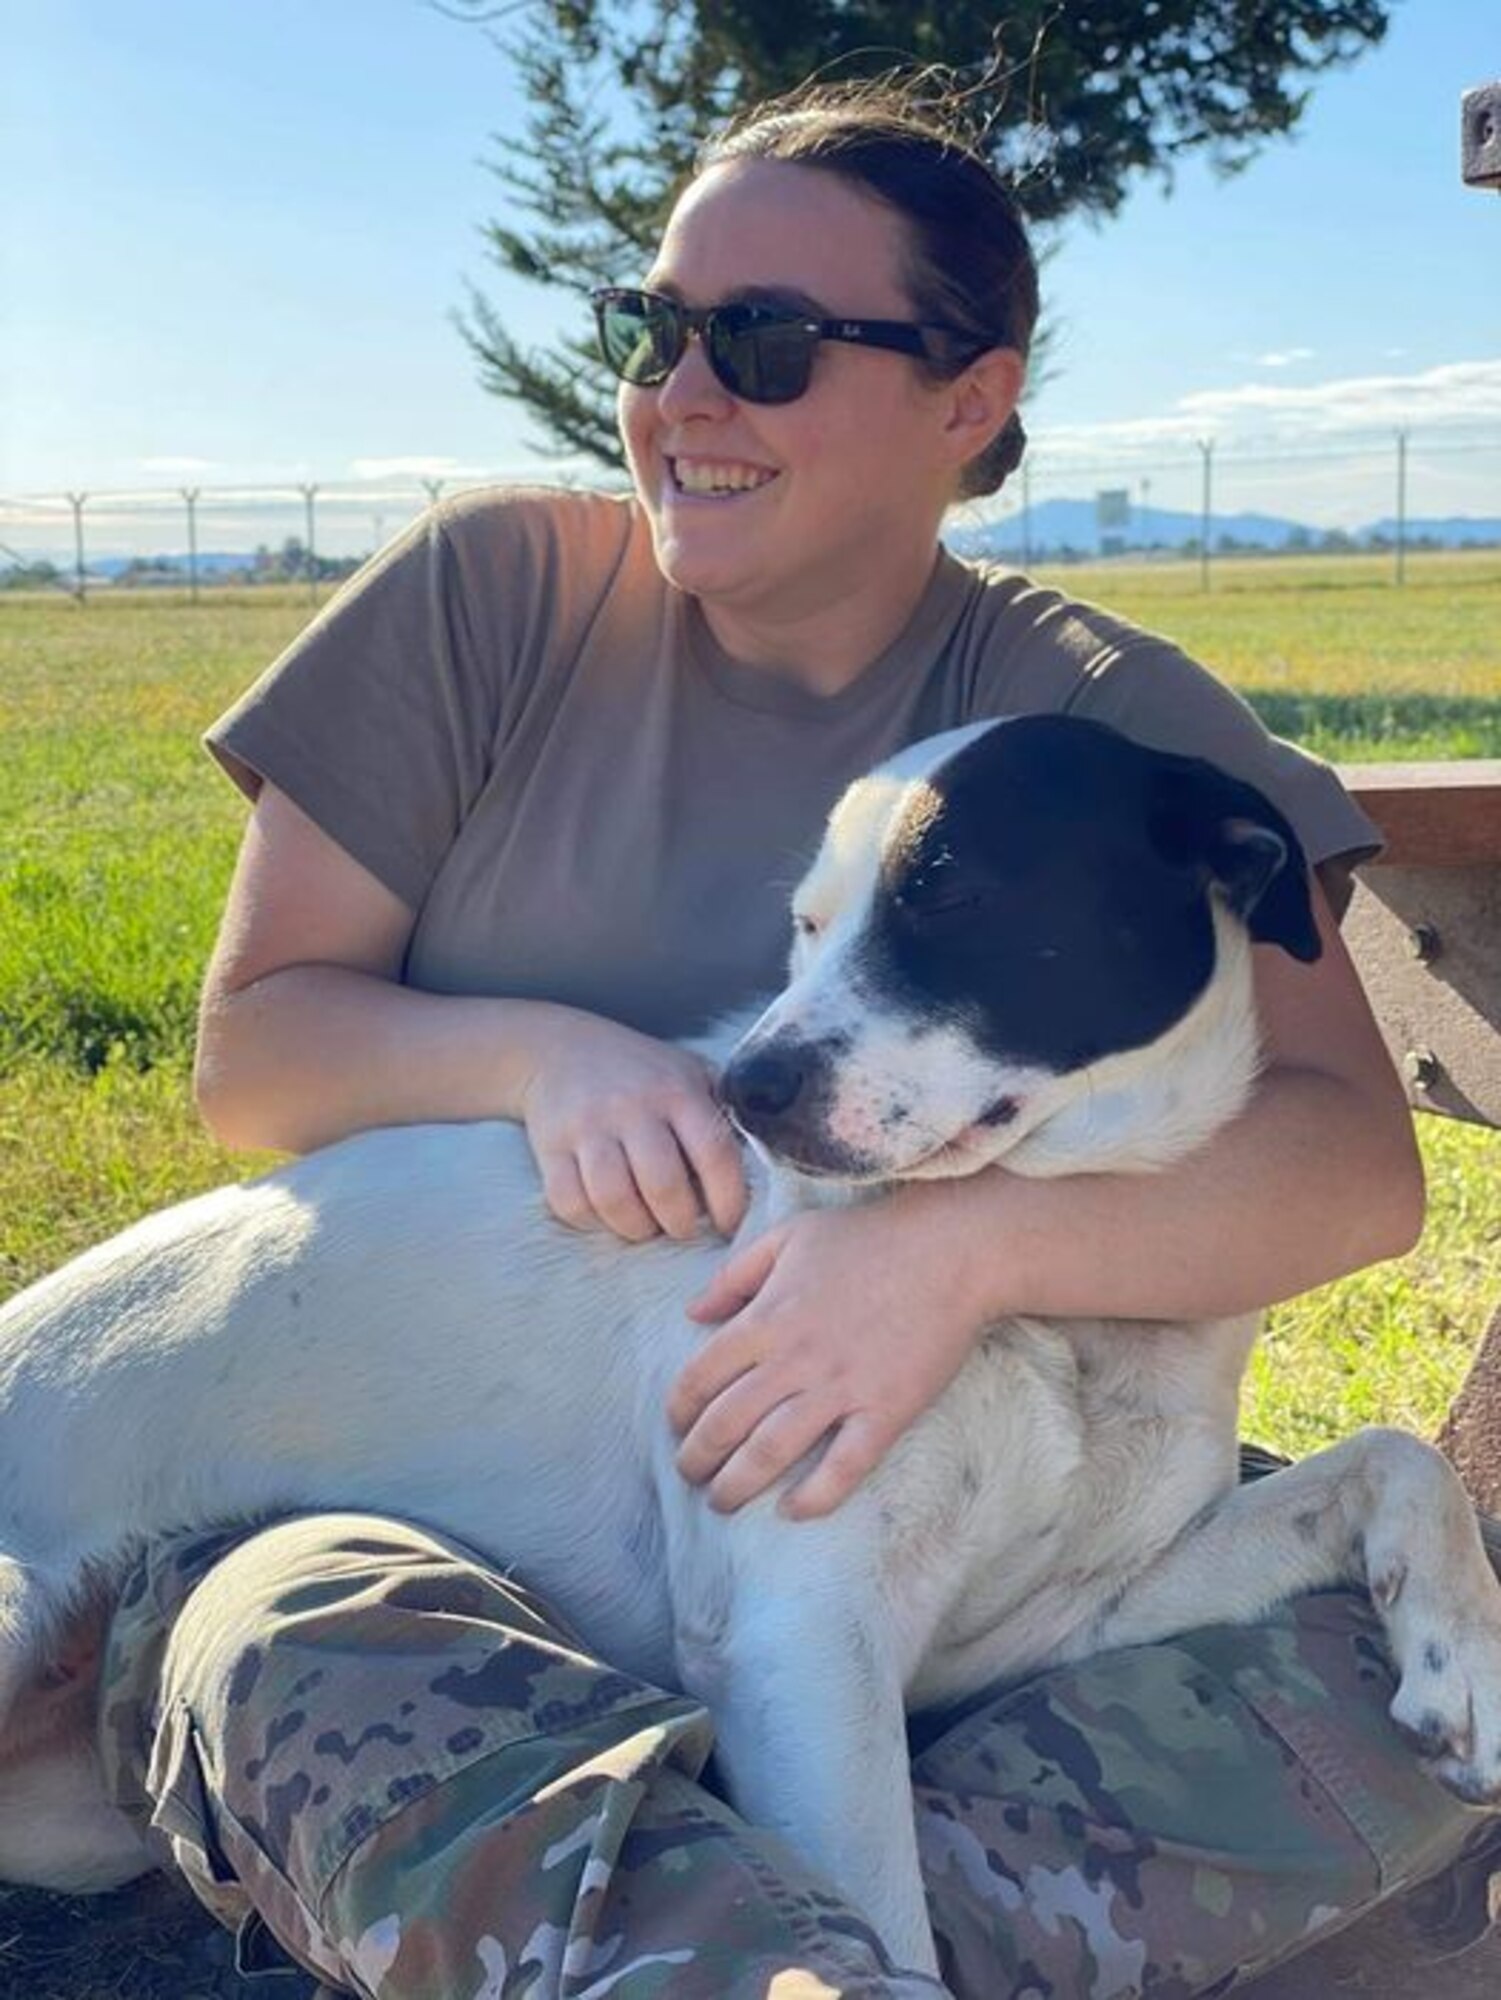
(1329, 650)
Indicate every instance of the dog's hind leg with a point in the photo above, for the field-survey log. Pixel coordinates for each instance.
(1382, 1510)
(788, 1645)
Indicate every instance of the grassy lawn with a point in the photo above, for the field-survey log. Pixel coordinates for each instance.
(116, 841)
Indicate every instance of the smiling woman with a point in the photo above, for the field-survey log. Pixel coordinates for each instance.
(528, 800)
(851, 476)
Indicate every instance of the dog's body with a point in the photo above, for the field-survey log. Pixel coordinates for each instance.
(396, 1324)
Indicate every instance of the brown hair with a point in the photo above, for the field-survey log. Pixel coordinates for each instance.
(970, 267)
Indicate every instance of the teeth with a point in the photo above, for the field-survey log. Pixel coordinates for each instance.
(697, 476)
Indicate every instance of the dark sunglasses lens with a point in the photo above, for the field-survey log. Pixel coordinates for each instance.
(766, 358)
(641, 337)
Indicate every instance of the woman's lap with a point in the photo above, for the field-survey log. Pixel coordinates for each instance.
(425, 1790)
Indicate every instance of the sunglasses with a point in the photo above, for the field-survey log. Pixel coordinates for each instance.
(760, 353)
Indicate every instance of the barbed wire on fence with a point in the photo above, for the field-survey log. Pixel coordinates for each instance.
(1204, 498)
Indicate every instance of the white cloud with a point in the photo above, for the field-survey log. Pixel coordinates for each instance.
(1460, 392)
(1355, 410)
(172, 466)
(1284, 357)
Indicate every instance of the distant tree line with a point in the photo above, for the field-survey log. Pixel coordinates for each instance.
(288, 564)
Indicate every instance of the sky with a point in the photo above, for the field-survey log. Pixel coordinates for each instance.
(235, 238)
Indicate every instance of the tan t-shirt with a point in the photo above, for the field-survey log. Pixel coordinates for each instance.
(514, 723)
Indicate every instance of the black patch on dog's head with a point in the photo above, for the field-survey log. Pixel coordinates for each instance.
(1049, 888)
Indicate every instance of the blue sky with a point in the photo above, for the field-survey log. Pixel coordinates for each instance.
(235, 237)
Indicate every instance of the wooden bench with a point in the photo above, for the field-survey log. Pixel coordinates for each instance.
(1424, 926)
(1425, 930)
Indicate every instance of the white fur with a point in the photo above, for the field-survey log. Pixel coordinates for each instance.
(396, 1324)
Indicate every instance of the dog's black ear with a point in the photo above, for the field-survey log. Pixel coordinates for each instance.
(1204, 818)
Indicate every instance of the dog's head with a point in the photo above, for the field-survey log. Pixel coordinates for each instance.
(1010, 937)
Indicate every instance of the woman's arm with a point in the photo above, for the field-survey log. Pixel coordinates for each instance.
(854, 1320)
(306, 1035)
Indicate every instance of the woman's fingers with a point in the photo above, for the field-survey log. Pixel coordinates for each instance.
(748, 1438)
(713, 1152)
(628, 1137)
(563, 1189)
(654, 1179)
(857, 1444)
(663, 1179)
(610, 1185)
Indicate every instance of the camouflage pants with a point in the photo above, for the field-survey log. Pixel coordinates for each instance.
(360, 1737)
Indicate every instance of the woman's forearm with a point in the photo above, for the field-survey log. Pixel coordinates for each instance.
(1314, 1180)
(310, 1053)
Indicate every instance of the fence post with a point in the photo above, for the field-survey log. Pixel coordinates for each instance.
(308, 493)
(77, 502)
(190, 495)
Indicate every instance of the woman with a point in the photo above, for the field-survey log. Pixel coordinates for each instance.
(528, 800)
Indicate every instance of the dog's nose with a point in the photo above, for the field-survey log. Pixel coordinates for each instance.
(764, 1085)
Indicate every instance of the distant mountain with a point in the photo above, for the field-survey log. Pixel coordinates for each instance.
(215, 562)
(1056, 527)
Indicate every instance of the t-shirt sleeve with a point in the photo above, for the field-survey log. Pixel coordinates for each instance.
(378, 720)
(385, 720)
(1027, 649)
(1151, 691)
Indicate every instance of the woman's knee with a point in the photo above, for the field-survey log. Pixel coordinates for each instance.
(1181, 1810)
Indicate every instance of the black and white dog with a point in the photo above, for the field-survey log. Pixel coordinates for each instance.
(1026, 942)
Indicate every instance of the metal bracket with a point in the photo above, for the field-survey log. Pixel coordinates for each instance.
(1480, 136)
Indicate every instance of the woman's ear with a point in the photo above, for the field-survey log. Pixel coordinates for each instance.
(981, 399)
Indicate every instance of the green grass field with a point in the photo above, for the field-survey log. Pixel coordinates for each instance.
(117, 836)
(116, 842)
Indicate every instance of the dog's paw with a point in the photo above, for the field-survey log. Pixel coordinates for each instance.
(1448, 1701)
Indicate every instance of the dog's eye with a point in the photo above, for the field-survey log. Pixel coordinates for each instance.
(936, 895)
(805, 925)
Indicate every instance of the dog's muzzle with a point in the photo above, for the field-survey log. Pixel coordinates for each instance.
(780, 1092)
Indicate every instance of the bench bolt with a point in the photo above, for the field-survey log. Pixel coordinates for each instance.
(1422, 1068)
(1424, 943)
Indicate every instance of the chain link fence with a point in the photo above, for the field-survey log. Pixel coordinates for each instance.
(1198, 498)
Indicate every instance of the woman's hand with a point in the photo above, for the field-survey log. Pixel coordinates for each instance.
(833, 1324)
(627, 1134)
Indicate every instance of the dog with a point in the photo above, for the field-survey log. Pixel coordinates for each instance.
(1026, 943)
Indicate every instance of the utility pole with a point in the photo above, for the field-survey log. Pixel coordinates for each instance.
(1206, 452)
(1401, 506)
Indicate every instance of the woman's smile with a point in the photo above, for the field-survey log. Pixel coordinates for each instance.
(718, 478)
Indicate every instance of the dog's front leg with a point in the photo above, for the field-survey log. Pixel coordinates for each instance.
(782, 1634)
(1384, 1510)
